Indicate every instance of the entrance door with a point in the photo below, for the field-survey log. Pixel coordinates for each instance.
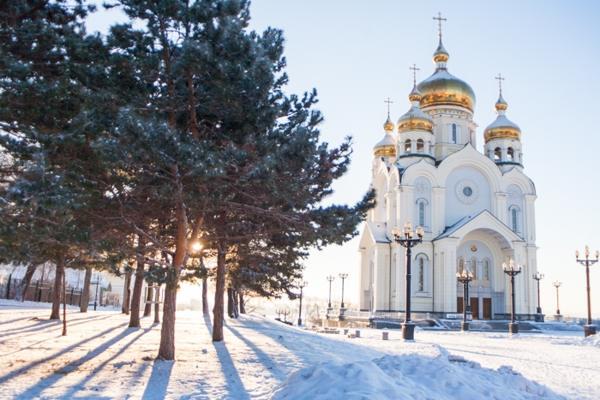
(459, 304)
(475, 307)
(487, 308)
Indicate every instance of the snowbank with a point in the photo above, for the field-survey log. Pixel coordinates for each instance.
(593, 340)
(410, 377)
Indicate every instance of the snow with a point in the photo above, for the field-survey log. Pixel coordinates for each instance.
(264, 359)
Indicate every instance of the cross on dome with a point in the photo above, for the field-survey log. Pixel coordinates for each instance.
(439, 19)
(414, 69)
(500, 78)
(388, 101)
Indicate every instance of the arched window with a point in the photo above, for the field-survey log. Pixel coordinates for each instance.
(422, 213)
(420, 145)
(510, 153)
(497, 154)
(514, 221)
(407, 146)
(421, 274)
(461, 265)
(474, 267)
(454, 134)
(486, 270)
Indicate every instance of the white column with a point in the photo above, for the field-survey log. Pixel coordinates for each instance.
(501, 211)
(529, 218)
(438, 210)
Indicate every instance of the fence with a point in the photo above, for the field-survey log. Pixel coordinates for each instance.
(40, 291)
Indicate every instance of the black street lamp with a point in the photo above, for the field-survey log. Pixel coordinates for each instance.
(330, 278)
(557, 284)
(407, 240)
(512, 270)
(97, 283)
(465, 277)
(301, 285)
(539, 317)
(343, 278)
(588, 329)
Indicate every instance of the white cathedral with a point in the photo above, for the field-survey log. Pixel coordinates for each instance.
(477, 210)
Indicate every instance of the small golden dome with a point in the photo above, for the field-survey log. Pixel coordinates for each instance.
(388, 126)
(440, 55)
(415, 95)
(502, 127)
(386, 147)
(501, 104)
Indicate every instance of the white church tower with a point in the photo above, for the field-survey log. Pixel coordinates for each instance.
(477, 209)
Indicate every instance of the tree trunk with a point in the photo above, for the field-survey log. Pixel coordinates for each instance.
(134, 318)
(242, 303)
(85, 292)
(148, 305)
(57, 291)
(22, 289)
(218, 308)
(205, 295)
(126, 293)
(230, 295)
(157, 307)
(166, 350)
(64, 296)
(234, 297)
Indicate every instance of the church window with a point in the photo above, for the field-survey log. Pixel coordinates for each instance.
(422, 213)
(421, 274)
(454, 134)
(497, 154)
(514, 220)
(486, 270)
(407, 146)
(510, 153)
(420, 145)
(461, 265)
(468, 191)
(474, 267)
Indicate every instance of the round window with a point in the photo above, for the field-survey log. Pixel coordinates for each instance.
(467, 191)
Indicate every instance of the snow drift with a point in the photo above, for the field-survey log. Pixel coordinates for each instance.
(410, 377)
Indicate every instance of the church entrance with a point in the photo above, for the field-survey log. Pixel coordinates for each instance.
(487, 308)
(475, 307)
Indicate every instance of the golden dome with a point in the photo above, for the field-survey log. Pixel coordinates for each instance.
(415, 119)
(385, 151)
(443, 88)
(502, 127)
(388, 126)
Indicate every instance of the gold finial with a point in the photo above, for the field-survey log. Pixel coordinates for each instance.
(501, 104)
(439, 19)
(388, 126)
(414, 95)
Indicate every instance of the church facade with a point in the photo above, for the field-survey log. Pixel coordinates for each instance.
(477, 209)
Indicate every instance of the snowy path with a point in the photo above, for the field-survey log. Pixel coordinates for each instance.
(101, 358)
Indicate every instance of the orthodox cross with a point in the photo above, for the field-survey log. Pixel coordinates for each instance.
(414, 69)
(439, 19)
(388, 101)
(500, 78)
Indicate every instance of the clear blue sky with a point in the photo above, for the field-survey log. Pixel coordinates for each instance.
(357, 53)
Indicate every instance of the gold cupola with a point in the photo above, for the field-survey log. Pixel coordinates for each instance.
(443, 88)
(502, 127)
(415, 119)
(386, 147)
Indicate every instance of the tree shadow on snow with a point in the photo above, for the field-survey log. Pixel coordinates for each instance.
(156, 388)
(57, 375)
(235, 386)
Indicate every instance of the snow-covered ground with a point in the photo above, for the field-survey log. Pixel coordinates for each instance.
(102, 358)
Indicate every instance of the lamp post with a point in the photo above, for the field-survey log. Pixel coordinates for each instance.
(465, 277)
(330, 279)
(406, 238)
(588, 329)
(557, 284)
(539, 317)
(97, 283)
(512, 270)
(301, 286)
(343, 278)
